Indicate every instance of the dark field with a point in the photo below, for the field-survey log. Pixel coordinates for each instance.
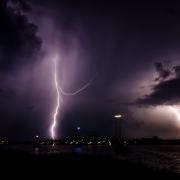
(80, 165)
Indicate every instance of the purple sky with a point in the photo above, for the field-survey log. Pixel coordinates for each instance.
(128, 51)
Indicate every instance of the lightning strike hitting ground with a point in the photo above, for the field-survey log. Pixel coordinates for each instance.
(58, 102)
(59, 99)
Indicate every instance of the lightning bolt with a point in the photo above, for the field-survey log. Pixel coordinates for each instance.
(75, 92)
(176, 112)
(55, 114)
(61, 92)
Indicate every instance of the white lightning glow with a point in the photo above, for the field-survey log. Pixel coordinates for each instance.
(176, 112)
(59, 99)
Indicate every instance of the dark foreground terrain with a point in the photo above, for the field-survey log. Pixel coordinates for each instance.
(16, 163)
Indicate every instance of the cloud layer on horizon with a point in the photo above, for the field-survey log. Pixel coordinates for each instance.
(166, 90)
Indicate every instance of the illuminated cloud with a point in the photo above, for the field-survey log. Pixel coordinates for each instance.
(165, 91)
(160, 120)
(113, 43)
(19, 41)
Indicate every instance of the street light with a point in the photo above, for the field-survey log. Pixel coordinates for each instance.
(117, 117)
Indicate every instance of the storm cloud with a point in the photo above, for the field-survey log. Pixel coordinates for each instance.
(166, 91)
(163, 73)
(112, 43)
(18, 40)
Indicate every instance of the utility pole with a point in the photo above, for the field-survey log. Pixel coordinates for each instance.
(117, 118)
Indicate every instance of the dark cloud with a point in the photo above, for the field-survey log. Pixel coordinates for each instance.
(177, 71)
(168, 87)
(163, 73)
(18, 40)
(21, 5)
(166, 91)
(19, 50)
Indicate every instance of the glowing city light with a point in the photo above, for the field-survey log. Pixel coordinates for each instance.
(37, 136)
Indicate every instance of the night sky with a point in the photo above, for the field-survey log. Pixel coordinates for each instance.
(129, 52)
